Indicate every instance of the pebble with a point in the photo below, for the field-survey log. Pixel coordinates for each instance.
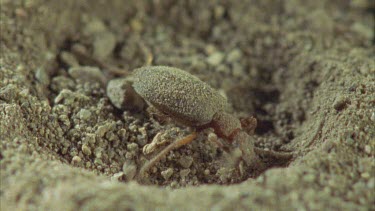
(76, 159)
(167, 173)
(98, 153)
(86, 149)
(117, 176)
(373, 116)
(111, 136)
(136, 25)
(129, 170)
(215, 59)
(210, 49)
(94, 27)
(350, 141)
(102, 130)
(206, 172)
(84, 114)
(104, 44)
(237, 70)
(362, 29)
(365, 175)
(122, 95)
(184, 173)
(174, 184)
(309, 178)
(149, 148)
(60, 83)
(219, 12)
(234, 56)
(90, 138)
(132, 147)
(340, 103)
(368, 149)
(87, 74)
(42, 76)
(69, 59)
(20, 12)
(185, 161)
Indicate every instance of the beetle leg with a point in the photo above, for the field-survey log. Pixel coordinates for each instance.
(246, 145)
(249, 124)
(175, 145)
(276, 158)
(224, 145)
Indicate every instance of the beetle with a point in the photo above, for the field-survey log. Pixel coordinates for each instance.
(188, 100)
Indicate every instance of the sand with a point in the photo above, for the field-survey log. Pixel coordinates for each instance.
(304, 69)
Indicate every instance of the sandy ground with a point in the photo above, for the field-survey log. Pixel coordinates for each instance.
(304, 69)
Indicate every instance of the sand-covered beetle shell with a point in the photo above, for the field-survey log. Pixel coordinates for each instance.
(179, 94)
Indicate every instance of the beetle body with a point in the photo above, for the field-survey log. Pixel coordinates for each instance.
(179, 94)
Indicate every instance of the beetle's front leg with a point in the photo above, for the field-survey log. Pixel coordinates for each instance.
(257, 158)
(246, 145)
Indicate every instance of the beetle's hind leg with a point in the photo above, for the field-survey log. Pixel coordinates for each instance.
(175, 145)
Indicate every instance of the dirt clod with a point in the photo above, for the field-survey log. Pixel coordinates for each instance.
(122, 95)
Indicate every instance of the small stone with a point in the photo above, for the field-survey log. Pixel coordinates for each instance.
(130, 155)
(237, 70)
(129, 170)
(368, 149)
(98, 161)
(102, 130)
(174, 184)
(69, 59)
(210, 49)
(64, 119)
(117, 176)
(87, 74)
(167, 173)
(363, 30)
(60, 83)
(206, 172)
(111, 136)
(20, 12)
(219, 12)
(84, 114)
(42, 76)
(70, 98)
(136, 25)
(340, 103)
(373, 116)
(215, 59)
(371, 183)
(79, 49)
(123, 134)
(361, 4)
(104, 44)
(98, 152)
(184, 173)
(90, 138)
(94, 27)
(309, 178)
(76, 159)
(186, 161)
(224, 174)
(86, 149)
(234, 56)
(122, 95)
(365, 175)
(132, 147)
(350, 140)
(352, 88)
